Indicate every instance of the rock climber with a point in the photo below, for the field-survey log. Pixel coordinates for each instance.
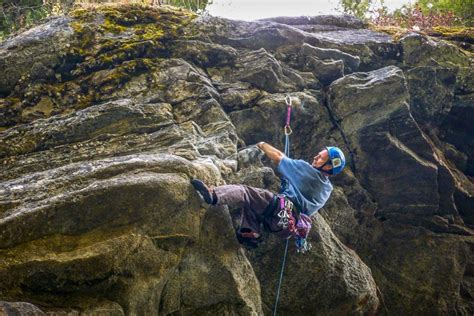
(305, 189)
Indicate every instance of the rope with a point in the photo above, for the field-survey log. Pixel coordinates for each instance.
(281, 279)
(288, 131)
(383, 301)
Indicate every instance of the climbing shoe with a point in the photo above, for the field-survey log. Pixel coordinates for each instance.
(206, 193)
(248, 238)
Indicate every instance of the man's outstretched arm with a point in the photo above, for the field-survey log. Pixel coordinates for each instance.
(271, 152)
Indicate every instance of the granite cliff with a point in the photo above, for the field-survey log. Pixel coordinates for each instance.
(106, 115)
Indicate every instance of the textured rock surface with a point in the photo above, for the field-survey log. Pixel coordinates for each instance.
(413, 184)
(102, 131)
(19, 308)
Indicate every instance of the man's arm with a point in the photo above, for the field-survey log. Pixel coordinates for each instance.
(271, 152)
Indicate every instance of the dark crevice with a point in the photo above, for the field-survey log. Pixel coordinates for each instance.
(335, 121)
(50, 283)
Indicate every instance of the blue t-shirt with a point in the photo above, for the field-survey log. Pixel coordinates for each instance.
(306, 185)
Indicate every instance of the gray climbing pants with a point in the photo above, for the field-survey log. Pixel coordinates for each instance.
(253, 203)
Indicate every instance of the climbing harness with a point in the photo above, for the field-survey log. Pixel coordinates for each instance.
(298, 228)
(294, 222)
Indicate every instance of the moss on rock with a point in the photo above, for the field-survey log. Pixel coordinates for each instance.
(455, 32)
(460, 35)
(111, 44)
(395, 31)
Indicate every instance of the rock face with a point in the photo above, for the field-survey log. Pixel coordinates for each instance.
(107, 115)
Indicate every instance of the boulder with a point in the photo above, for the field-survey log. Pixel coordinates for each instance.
(113, 118)
(263, 71)
(419, 50)
(331, 32)
(205, 54)
(351, 62)
(34, 53)
(343, 21)
(72, 245)
(325, 71)
(238, 96)
(19, 308)
(431, 92)
(310, 117)
(381, 132)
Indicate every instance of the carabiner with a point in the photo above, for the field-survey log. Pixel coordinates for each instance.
(288, 100)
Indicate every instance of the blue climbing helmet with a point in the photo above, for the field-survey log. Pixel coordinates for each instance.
(336, 160)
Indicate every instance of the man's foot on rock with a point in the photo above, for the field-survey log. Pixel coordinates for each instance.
(248, 238)
(205, 192)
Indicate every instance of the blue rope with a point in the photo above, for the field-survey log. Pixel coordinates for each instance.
(281, 278)
(287, 153)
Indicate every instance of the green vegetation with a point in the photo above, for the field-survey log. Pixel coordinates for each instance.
(461, 9)
(423, 13)
(359, 8)
(193, 5)
(16, 15)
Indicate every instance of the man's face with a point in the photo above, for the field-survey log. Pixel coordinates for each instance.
(320, 159)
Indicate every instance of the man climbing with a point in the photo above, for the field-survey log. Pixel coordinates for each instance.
(305, 189)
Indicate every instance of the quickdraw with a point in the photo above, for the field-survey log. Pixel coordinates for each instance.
(302, 245)
(287, 127)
